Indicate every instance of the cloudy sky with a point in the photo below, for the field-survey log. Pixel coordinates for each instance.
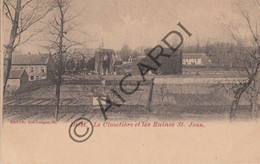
(145, 22)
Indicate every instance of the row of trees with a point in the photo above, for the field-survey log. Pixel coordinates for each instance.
(126, 52)
(221, 54)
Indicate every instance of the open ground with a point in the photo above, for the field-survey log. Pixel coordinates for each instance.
(173, 97)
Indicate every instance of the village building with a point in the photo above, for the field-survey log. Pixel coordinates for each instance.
(195, 59)
(169, 65)
(38, 67)
(17, 79)
(82, 54)
(78, 60)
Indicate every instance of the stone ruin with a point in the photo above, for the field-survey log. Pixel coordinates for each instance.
(104, 61)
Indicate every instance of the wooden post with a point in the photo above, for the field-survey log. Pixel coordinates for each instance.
(257, 97)
(150, 94)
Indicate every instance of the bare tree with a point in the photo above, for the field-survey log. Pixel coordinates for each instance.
(164, 92)
(22, 15)
(251, 57)
(59, 29)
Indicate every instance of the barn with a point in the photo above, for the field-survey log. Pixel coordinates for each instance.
(17, 79)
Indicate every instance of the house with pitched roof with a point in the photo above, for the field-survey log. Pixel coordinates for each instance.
(83, 54)
(195, 59)
(17, 79)
(38, 67)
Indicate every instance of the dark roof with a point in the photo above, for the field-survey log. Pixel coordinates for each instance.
(15, 74)
(193, 55)
(40, 59)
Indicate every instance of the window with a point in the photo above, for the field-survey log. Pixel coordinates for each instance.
(21, 67)
(32, 69)
(31, 77)
(42, 69)
(37, 77)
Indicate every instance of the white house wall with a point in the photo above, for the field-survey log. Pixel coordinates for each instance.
(35, 72)
(13, 84)
(192, 62)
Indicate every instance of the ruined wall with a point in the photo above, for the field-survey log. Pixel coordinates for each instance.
(104, 61)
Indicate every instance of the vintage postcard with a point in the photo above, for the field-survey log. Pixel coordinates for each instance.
(130, 81)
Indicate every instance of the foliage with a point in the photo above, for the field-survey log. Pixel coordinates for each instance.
(125, 52)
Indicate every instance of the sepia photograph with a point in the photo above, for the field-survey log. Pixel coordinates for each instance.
(83, 70)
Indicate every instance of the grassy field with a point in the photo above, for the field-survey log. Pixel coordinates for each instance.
(40, 105)
(128, 113)
(174, 97)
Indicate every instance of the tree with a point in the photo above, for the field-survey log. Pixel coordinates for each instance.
(90, 65)
(22, 15)
(70, 66)
(59, 29)
(249, 11)
(125, 52)
(224, 54)
(198, 47)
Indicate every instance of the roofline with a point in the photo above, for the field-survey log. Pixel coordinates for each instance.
(194, 53)
(20, 75)
(192, 57)
(47, 61)
(24, 72)
(30, 64)
(15, 78)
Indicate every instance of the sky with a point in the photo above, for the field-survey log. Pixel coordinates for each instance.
(145, 22)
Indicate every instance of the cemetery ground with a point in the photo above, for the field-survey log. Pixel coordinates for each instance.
(171, 99)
